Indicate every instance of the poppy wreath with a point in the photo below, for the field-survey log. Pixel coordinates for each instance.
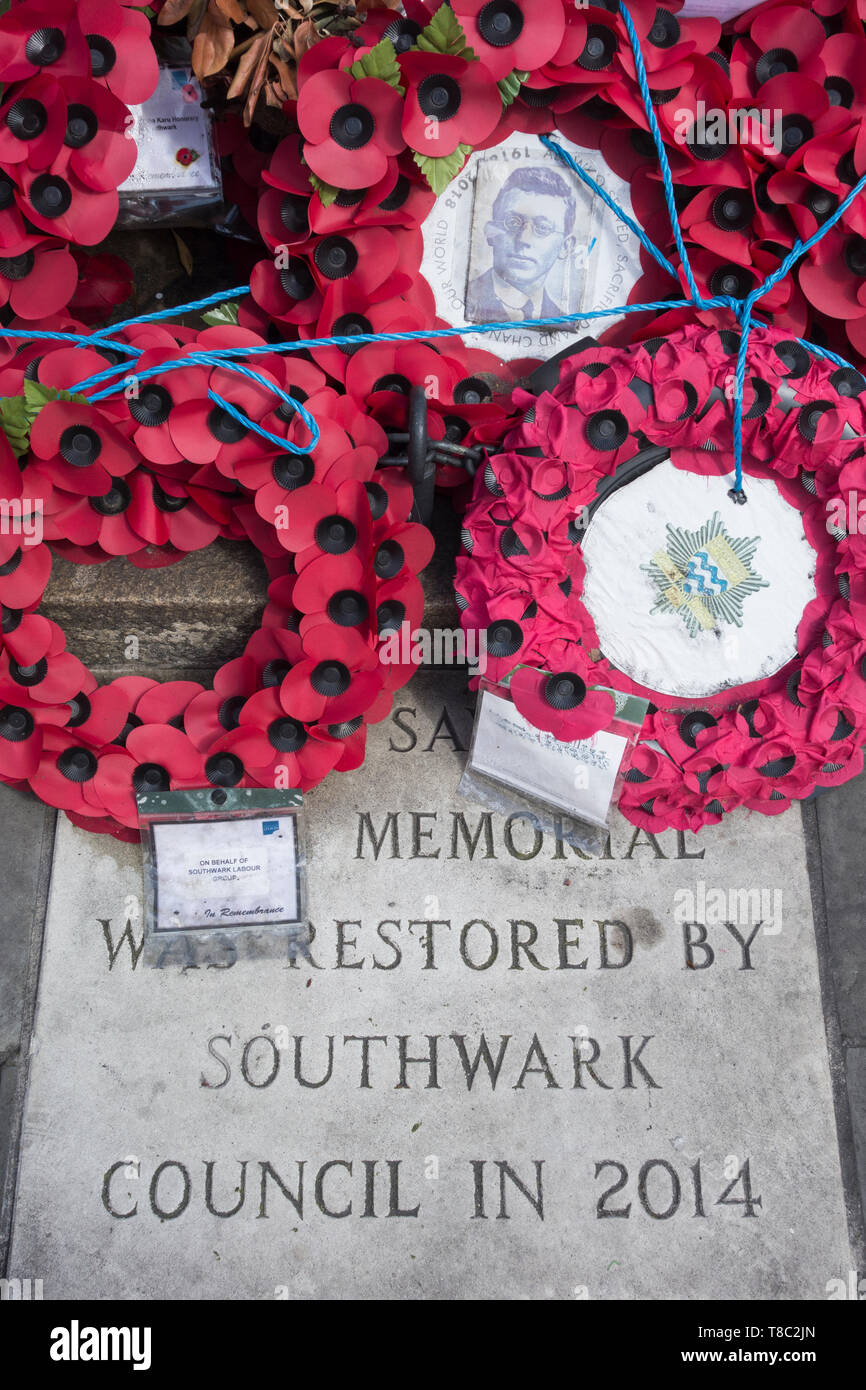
(159, 471)
(340, 201)
(522, 578)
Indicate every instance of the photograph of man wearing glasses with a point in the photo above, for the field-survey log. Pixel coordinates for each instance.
(530, 229)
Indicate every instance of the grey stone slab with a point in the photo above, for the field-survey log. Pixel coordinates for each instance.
(8, 1085)
(855, 1076)
(536, 1187)
(841, 821)
(165, 623)
(24, 822)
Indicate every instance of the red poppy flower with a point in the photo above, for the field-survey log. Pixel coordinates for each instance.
(346, 312)
(21, 733)
(156, 757)
(78, 448)
(274, 651)
(397, 367)
(318, 519)
(103, 282)
(27, 637)
(285, 167)
(65, 775)
(351, 127)
(122, 56)
(315, 589)
(42, 37)
(784, 40)
(38, 278)
(215, 712)
(399, 601)
(283, 218)
(299, 756)
(165, 511)
(97, 148)
(448, 101)
(24, 572)
(834, 280)
(135, 512)
(52, 680)
(100, 715)
(33, 123)
(93, 521)
(507, 632)
(327, 54)
(368, 261)
(152, 409)
(288, 294)
(166, 703)
(506, 35)
(397, 200)
(194, 427)
(350, 737)
(329, 690)
(391, 499)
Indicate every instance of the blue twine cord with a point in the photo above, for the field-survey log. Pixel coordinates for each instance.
(609, 201)
(207, 359)
(35, 335)
(219, 298)
(744, 313)
(226, 357)
(667, 180)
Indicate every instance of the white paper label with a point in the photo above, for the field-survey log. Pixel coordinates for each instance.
(173, 135)
(225, 873)
(723, 10)
(577, 777)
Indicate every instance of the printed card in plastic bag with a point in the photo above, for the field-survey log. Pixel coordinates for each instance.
(513, 764)
(223, 861)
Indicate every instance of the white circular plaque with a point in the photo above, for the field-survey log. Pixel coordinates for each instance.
(517, 235)
(690, 592)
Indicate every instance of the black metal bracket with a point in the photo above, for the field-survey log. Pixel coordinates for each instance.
(413, 448)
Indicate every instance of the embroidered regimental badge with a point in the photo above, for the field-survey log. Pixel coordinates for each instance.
(705, 576)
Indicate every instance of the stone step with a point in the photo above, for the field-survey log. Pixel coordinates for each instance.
(182, 622)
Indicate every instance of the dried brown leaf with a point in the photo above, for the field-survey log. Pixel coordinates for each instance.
(173, 10)
(305, 36)
(246, 67)
(258, 78)
(263, 12)
(183, 252)
(284, 43)
(194, 18)
(213, 44)
(232, 11)
(272, 95)
(287, 78)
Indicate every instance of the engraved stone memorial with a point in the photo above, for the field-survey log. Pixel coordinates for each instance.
(500, 1067)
